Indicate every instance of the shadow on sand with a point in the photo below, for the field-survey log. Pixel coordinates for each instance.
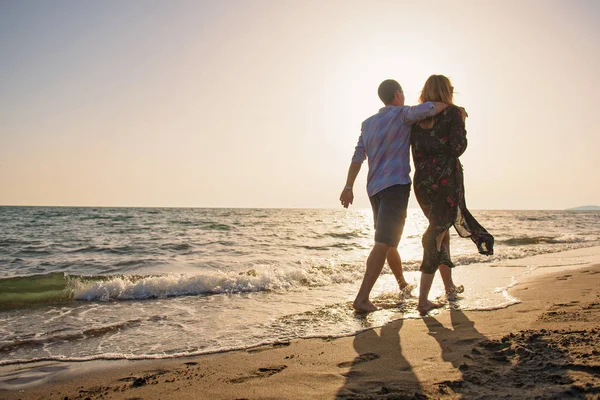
(380, 371)
(531, 364)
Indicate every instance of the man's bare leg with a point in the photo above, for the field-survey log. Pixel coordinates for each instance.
(395, 263)
(375, 263)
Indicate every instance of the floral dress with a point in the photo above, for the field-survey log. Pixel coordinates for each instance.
(439, 187)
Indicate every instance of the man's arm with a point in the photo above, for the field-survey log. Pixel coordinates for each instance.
(347, 196)
(360, 155)
(439, 107)
(425, 110)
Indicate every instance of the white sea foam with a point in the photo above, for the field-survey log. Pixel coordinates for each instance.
(257, 279)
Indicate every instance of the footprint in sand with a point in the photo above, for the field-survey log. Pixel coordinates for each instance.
(260, 373)
(267, 347)
(571, 304)
(591, 272)
(144, 380)
(359, 360)
(591, 306)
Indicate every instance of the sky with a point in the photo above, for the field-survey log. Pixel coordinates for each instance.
(259, 103)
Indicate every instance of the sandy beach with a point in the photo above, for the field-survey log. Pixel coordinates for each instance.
(545, 347)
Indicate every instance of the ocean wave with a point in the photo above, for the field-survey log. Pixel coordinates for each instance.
(109, 250)
(18, 242)
(61, 287)
(176, 246)
(203, 225)
(137, 262)
(9, 346)
(512, 252)
(339, 245)
(48, 214)
(216, 226)
(183, 222)
(346, 235)
(531, 240)
(25, 252)
(118, 218)
(153, 356)
(257, 279)
(45, 288)
(21, 291)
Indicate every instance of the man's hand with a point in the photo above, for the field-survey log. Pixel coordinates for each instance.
(347, 197)
(439, 106)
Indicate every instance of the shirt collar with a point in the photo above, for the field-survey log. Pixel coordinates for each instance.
(387, 108)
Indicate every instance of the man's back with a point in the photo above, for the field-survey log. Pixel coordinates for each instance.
(385, 142)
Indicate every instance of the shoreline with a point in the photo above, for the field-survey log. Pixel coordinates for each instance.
(439, 356)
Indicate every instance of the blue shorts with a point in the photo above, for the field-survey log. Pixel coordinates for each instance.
(389, 213)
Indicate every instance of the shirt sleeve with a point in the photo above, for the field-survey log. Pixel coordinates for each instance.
(360, 154)
(420, 112)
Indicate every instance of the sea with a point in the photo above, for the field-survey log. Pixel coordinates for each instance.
(81, 284)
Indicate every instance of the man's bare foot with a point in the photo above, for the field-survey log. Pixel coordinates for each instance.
(406, 288)
(403, 284)
(430, 305)
(364, 306)
(453, 292)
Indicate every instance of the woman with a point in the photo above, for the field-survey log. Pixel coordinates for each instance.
(436, 143)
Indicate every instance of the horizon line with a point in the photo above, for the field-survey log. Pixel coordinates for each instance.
(578, 208)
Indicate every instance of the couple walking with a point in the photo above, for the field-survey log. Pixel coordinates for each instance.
(436, 131)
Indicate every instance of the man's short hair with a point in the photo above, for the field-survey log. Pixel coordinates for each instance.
(387, 91)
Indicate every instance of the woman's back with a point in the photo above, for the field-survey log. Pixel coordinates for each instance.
(446, 135)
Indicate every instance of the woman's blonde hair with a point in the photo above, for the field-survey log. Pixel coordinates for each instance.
(437, 88)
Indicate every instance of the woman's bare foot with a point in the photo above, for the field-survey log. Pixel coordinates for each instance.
(430, 305)
(364, 306)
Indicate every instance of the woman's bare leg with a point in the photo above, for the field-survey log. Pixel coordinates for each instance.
(425, 286)
(446, 272)
(443, 239)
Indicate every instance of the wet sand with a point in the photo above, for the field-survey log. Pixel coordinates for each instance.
(546, 347)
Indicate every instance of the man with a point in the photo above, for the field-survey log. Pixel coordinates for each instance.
(385, 142)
